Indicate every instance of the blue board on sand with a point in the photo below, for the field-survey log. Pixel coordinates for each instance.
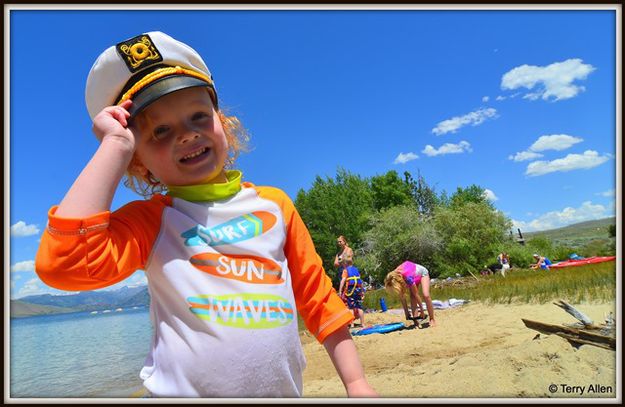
(380, 329)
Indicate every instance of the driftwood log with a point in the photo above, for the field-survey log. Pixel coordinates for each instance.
(578, 336)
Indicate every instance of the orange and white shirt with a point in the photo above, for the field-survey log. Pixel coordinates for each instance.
(226, 279)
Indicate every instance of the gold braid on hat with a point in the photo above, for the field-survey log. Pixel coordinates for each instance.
(160, 73)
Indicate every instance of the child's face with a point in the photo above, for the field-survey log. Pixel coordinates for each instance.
(181, 140)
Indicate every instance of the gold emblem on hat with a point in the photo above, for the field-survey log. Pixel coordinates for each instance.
(139, 52)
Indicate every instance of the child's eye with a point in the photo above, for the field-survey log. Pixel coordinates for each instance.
(161, 132)
(199, 116)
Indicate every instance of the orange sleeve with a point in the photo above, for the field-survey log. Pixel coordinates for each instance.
(321, 308)
(100, 250)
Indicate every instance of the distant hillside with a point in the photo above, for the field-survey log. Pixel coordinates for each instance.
(142, 298)
(84, 301)
(23, 309)
(578, 234)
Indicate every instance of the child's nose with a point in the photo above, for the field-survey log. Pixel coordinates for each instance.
(188, 135)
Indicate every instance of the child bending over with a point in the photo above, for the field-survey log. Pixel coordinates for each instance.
(408, 276)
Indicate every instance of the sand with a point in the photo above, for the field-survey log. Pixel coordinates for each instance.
(475, 350)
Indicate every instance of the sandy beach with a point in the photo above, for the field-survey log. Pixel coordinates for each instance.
(476, 350)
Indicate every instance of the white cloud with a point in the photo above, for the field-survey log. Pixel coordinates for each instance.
(610, 193)
(589, 159)
(474, 119)
(28, 265)
(31, 287)
(500, 98)
(568, 216)
(524, 156)
(447, 148)
(21, 229)
(136, 280)
(404, 158)
(490, 195)
(485, 99)
(552, 81)
(556, 142)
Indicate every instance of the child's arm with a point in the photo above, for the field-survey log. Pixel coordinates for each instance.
(84, 246)
(93, 190)
(419, 302)
(342, 351)
(404, 304)
(341, 284)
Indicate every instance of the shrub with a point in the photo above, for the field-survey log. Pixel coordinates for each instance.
(561, 252)
(472, 234)
(597, 247)
(540, 245)
(520, 256)
(397, 234)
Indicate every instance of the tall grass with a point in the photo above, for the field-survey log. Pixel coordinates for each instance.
(596, 282)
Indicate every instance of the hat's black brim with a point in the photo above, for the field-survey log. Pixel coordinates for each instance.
(163, 87)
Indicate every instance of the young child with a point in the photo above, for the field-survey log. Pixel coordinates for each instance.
(351, 289)
(504, 260)
(408, 276)
(229, 264)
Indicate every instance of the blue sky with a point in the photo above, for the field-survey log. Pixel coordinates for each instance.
(519, 102)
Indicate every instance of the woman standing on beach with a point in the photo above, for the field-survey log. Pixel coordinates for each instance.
(345, 254)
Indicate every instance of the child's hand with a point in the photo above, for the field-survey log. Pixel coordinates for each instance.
(112, 123)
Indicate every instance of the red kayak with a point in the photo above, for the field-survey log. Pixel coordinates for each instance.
(582, 262)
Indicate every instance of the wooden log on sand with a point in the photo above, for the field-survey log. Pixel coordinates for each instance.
(573, 335)
(578, 336)
(588, 323)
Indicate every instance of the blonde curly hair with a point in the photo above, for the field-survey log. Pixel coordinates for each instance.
(146, 185)
(394, 283)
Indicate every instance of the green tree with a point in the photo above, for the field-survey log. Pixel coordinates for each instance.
(333, 207)
(472, 193)
(612, 231)
(423, 195)
(397, 234)
(541, 245)
(472, 234)
(389, 190)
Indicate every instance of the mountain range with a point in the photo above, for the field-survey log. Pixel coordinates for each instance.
(44, 304)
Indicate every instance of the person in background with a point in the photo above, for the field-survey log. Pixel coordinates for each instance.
(504, 260)
(345, 252)
(407, 277)
(541, 262)
(352, 290)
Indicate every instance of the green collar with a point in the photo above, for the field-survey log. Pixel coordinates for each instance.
(208, 192)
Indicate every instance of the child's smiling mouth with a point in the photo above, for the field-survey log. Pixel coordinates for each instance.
(195, 156)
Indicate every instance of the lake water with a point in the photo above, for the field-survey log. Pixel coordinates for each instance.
(79, 355)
